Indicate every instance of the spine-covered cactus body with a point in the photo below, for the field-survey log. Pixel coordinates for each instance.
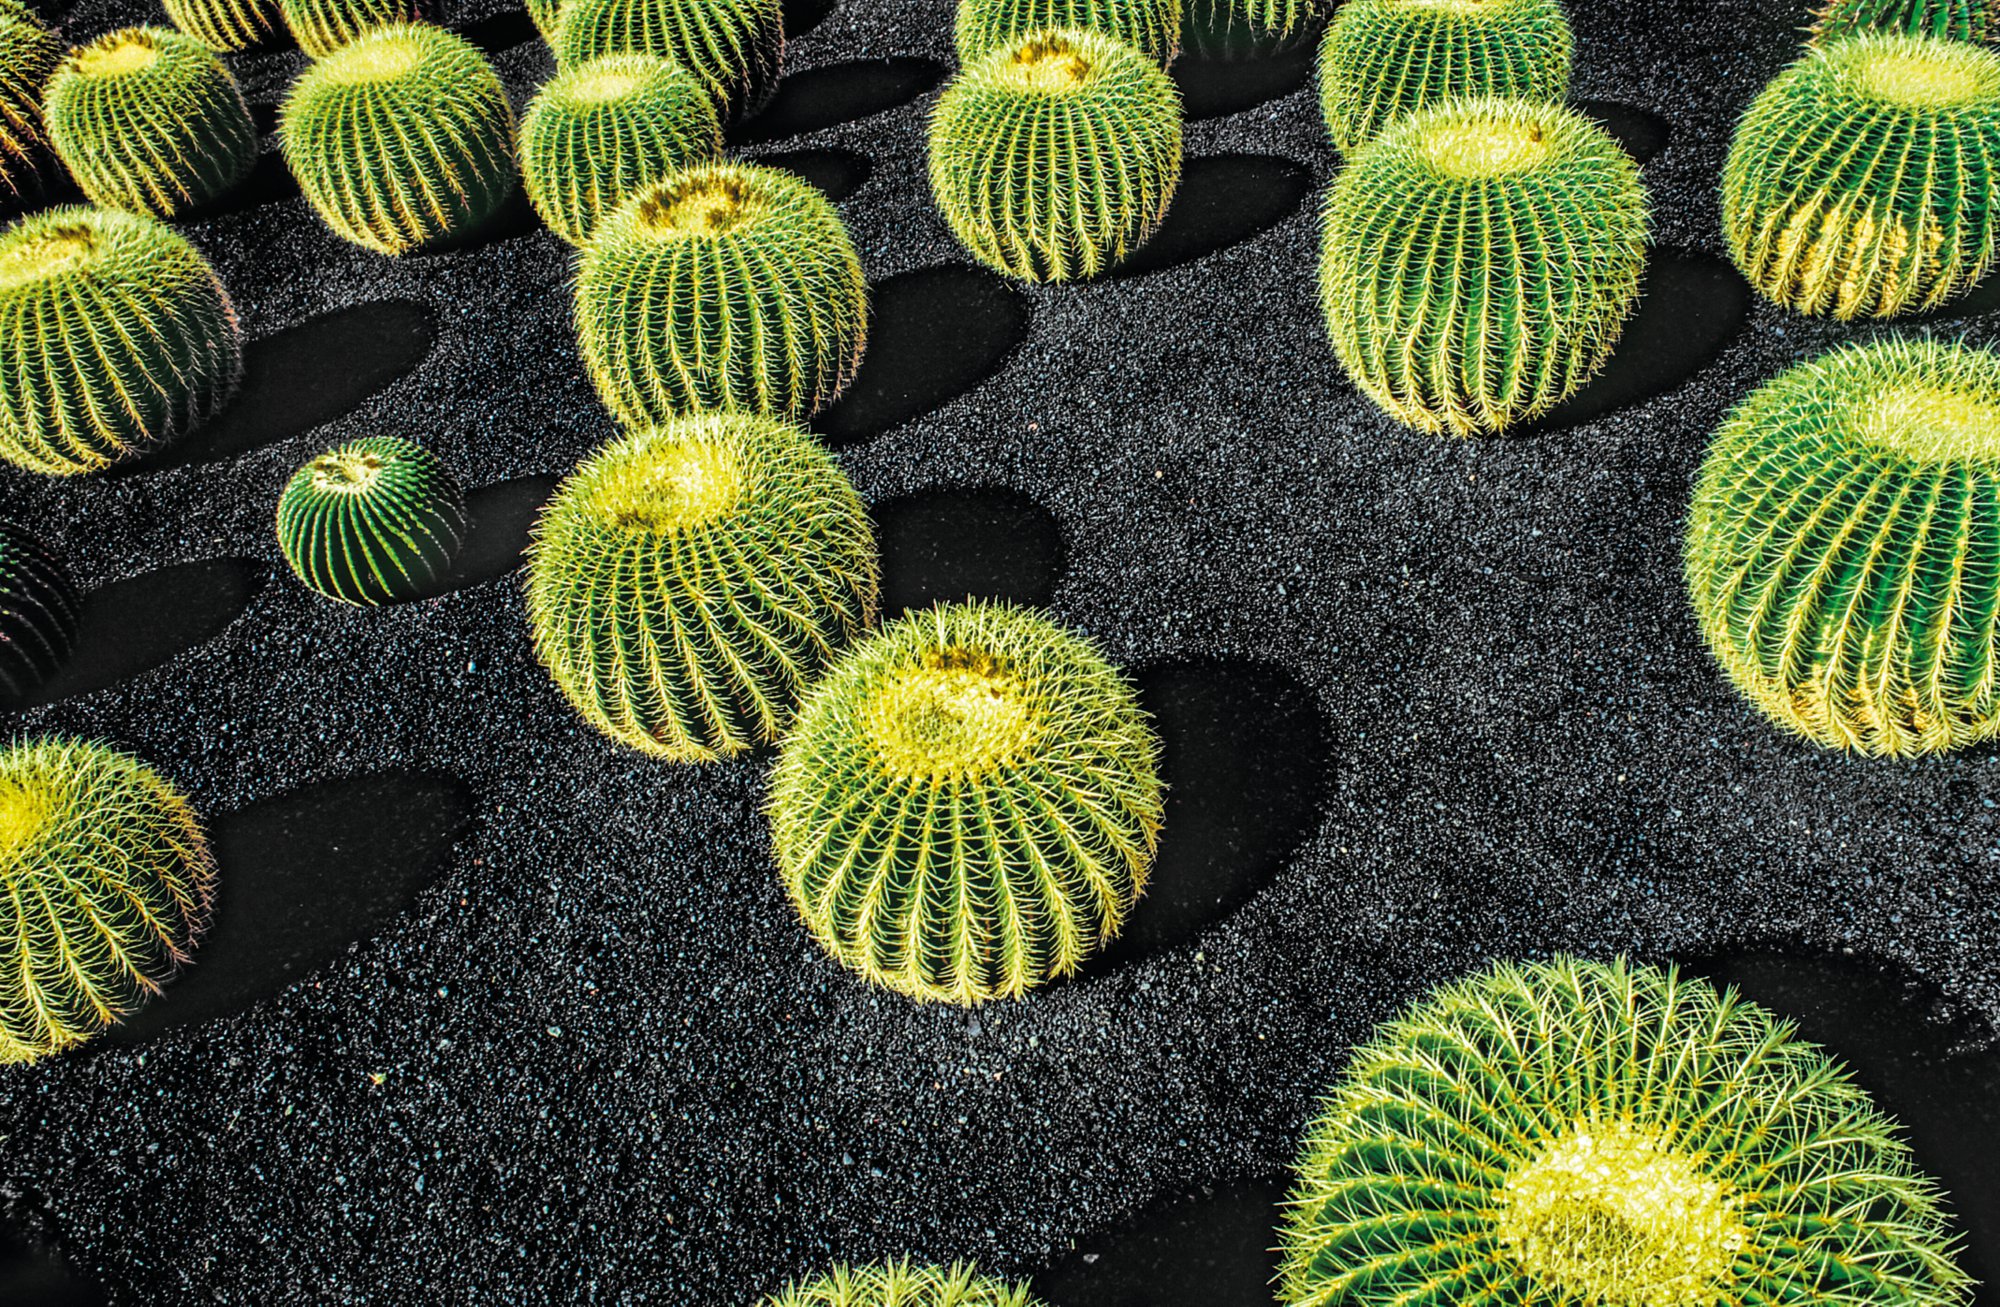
(372, 521)
(721, 287)
(148, 119)
(226, 25)
(1480, 260)
(689, 581)
(29, 53)
(546, 14)
(902, 1284)
(1057, 156)
(968, 804)
(1382, 59)
(115, 337)
(602, 130)
(402, 138)
(108, 884)
(736, 47)
(323, 26)
(1955, 20)
(1151, 26)
(1237, 29)
(39, 611)
(1843, 550)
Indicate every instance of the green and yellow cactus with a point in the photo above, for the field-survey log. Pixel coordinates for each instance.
(323, 26)
(602, 130)
(1382, 59)
(148, 119)
(547, 15)
(115, 337)
(372, 521)
(902, 1284)
(227, 25)
(109, 883)
(728, 286)
(1153, 27)
(1056, 157)
(1237, 29)
(39, 612)
(1843, 549)
(29, 53)
(968, 804)
(689, 581)
(1856, 183)
(1576, 1132)
(1479, 262)
(736, 47)
(1956, 20)
(402, 139)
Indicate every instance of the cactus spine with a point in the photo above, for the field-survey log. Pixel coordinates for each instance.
(39, 611)
(29, 53)
(736, 47)
(1234, 29)
(1574, 1132)
(323, 26)
(372, 521)
(1479, 262)
(968, 804)
(1956, 20)
(226, 25)
(1856, 183)
(115, 337)
(1153, 27)
(726, 286)
(109, 882)
(547, 14)
(602, 130)
(401, 139)
(901, 1284)
(1056, 157)
(1382, 59)
(148, 119)
(688, 581)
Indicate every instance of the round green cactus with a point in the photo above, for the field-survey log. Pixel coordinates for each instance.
(1957, 20)
(39, 611)
(725, 286)
(688, 581)
(148, 119)
(29, 53)
(402, 138)
(900, 1284)
(736, 47)
(115, 337)
(109, 883)
(372, 521)
(1152, 27)
(226, 25)
(1843, 551)
(968, 804)
(1234, 29)
(547, 15)
(1382, 59)
(1056, 157)
(602, 130)
(1479, 262)
(1855, 183)
(323, 26)
(1573, 1132)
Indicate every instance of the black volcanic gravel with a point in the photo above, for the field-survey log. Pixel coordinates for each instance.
(587, 1055)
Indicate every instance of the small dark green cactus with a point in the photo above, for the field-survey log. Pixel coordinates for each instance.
(968, 804)
(1382, 59)
(901, 1284)
(402, 138)
(736, 47)
(1056, 157)
(29, 53)
(115, 337)
(1956, 20)
(728, 286)
(323, 26)
(39, 611)
(1480, 260)
(1237, 29)
(1843, 551)
(602, 130)
(1570, 1133)
(1858, 182)
(1152, 27)
(372, 521)
(148, 119)
(689, 581)
(226, 25)
(108, 884)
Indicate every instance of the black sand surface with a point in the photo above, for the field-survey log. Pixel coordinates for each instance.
(496, 1012)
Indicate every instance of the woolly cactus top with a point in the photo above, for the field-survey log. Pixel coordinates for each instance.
(1912, 72)
(673, 487)
(1054, 65)
(388, 54)
(67, 248)
(117, 54)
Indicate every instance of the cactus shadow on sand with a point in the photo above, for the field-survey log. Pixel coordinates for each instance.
(1642, 132)
(502, 517)
(837, 173)
(1216, 89)
(833, 94)
(1223, 200)
(1211, 1250)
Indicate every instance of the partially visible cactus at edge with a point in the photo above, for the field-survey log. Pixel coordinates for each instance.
(227, 25)
(736, 47)
(29, 53)
(1153, 27)
(902, 1284)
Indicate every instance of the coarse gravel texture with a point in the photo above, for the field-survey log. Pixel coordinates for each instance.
(597, 1060)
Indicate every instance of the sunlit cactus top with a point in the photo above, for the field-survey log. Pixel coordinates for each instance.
(902, 1284)
(323, 26)
(1151, 26)
(1958, 20)
(1572, 1133)
(736, 47)
(29, 53)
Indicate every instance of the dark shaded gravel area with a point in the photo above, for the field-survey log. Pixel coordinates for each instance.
(528, 1018)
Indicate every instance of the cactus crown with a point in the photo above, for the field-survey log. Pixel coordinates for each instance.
(682, 488)
(901, 1284)
(735, 47)
(1926, 74)
(1150, 26)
